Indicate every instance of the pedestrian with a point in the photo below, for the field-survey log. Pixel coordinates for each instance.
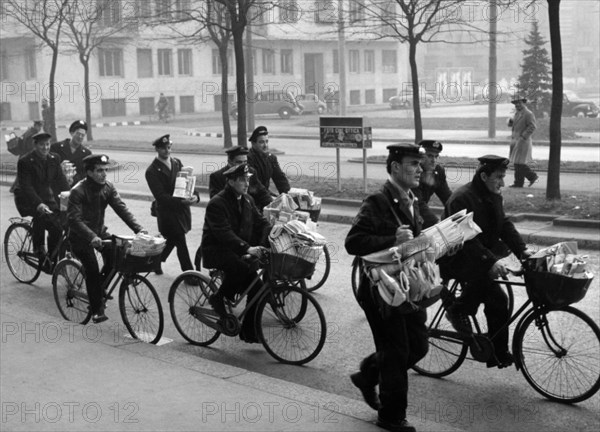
(40, 180)
(478, 263)
(163, 108)
(24, 144)
(85, 214)
(72, 149)
(173, 213)
(46, 115)
(432, 181)
(265, 163)
(388, 218)
(238, 155)
(523, 125)
(233, 227)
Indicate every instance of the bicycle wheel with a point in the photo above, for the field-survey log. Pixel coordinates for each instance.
(291, 336)
(141, 309)
(70, 293)
(321, 273)
(559, 354)
(297, 313)
(188, 299)
(18, 251)
(446, 351)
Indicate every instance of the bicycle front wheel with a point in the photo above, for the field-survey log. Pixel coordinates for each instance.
(291, 325)
(321, 273)
(141, 309)
(18, 252)
(70, 293)
(188, 299)
(559, 354)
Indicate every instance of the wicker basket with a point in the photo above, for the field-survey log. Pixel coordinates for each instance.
(555, 290)
(289, 267)
(127, 263)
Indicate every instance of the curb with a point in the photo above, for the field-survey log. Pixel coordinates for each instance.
(96, 125)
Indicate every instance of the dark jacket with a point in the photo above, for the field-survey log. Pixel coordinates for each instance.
(174, 215)
(87, 205)
(267, 168)
(217, 182)
(63, 150)
(39, 181)
(479, 254)
(424, 192)
(374, 227)
(226, 229)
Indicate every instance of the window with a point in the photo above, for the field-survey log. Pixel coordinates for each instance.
(356, 11)
(144, 63)
(354, 61)
(216, 63)
(268, 61)
(111, 62)
(113, 107)
(146, 105)
(110, 13)
(30, 66)
(163, 8)
(388, 93)
(144, 8)
(336, 61)
(287, 61)
(5, 113)
(288, 11)
(184, 61)
(186, 104)
(182, 8)
(354, 97)
(3, 66)
(370, 96)
(326, 11)
(389, 61)
(164, 62)
(369, 61)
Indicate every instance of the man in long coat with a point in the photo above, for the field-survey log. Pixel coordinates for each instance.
(174, 215)
(265, 163)
(523, 125)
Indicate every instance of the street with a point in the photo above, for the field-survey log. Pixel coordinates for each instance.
(474, 398)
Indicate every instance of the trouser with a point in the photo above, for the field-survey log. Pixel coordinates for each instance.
(42, 223)
(522, 172)
(178, 241)
(400, 342)
(484, 290)
(94, 277)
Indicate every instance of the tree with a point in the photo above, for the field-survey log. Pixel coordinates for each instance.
(553, 183)
(535, 81)
(91, 25)
(43, 18)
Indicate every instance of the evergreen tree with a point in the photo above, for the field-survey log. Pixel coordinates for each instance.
(535, 81)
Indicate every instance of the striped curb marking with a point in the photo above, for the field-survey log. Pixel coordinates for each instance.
(205, 134)
(96, 125)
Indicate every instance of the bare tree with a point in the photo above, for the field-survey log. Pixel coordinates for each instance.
(92, 24)
(43, 18)
(553, 183)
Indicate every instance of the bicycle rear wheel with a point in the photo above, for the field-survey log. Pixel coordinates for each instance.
(291, 325)
(141, 309)
(188, 299)
(18, 252)
(558, 352)
(70, 294)
(321, 273)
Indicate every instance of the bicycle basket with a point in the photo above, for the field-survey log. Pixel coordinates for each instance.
(553, 289)
(289, 267)
(127, 263)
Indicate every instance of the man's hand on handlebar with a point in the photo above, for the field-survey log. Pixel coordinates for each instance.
(257, 251)
(43, 208)
(498, 270)
(97, 243)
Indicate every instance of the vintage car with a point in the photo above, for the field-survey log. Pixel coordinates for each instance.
(574, 106)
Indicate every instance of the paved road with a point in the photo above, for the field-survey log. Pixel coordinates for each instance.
(474, 398)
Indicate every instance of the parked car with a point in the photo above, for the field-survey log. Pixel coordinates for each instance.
(311, 103)
(406, 99)
(574, 106)
(479, 99)
(272, 102)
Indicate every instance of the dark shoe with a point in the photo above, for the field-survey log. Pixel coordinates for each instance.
(158, 271)
(396, 425)
(368, 392)
(531, 182)
(501, 360)
(515, 186)
(459, 321)
(98, 318)
(218, 305)
(248, 337)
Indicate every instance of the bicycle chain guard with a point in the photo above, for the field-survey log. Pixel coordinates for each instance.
(231, 326)
(481, 348)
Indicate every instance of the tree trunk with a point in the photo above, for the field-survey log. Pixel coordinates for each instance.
(492, 70)
(227, 142)
(240, 81)
(412, 58)
(249, 80)
(51, 128)
(553, 183)
(88, 108)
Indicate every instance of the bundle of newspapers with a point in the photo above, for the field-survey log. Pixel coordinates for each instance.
(297, 239)
(143, 245)
(284, 209)
(561, 258)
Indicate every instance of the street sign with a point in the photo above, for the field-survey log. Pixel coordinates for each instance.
(345, 132)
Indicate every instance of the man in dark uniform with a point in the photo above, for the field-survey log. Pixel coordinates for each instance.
(39, 181)
(236, 156)
(233, 227)
(25, 144)
(433, 180)
(173, 214)
(73, 150)
(478, 262)
(87, 204)
(265, 163)
(386, 219)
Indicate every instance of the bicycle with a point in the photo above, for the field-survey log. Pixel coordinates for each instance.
(289, 321)
(21, 258)
(139, 304)
(555, 346)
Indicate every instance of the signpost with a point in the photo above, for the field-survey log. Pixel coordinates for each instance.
(346, 132)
